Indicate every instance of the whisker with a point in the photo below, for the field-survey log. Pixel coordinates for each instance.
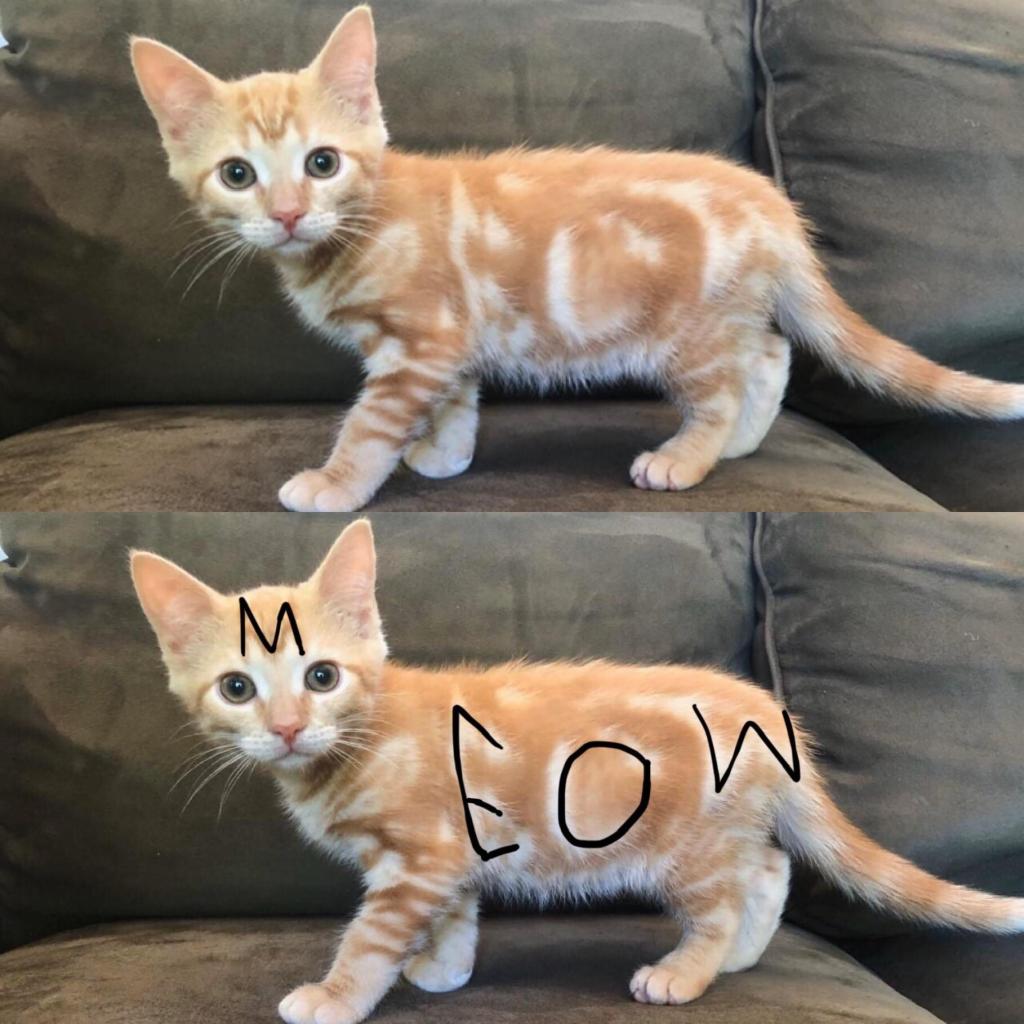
(226, 250)
(209, 778)
(233, 780)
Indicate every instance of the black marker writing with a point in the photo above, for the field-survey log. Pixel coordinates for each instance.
(245, 612)
(459, 713)
(720, 781)
(645, 795)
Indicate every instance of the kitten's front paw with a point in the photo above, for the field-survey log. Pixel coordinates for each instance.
(316, 1004)
(313, 490)
(438, 462)
(661, 985)
(656, 471)
(439, 974)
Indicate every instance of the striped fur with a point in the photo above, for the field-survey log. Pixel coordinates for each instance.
(370, 778)
(563, 266)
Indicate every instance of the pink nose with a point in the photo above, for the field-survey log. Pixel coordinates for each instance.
(288, 219)
(287, 731)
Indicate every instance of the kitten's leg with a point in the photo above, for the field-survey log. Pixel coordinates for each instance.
(394, 918)
(767, 890)
(447, 447)
(766, 373)
(447, 961)
(711, 399)
(712, 914)
(393, 408)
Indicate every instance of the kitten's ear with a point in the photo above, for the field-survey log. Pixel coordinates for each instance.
(347, 65)
(177, 605)
(176, 90)
(347, 577)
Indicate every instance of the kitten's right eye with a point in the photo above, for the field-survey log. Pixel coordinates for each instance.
(237, 174)
(236, 688)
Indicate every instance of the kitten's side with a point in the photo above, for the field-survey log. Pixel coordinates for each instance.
(362, 752)
(683, 270)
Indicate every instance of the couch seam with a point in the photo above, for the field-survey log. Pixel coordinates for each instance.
(774, 150)
(770, 648)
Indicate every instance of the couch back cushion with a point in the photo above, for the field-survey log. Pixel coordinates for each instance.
(93, 740)
(88, 315)
(897, 643)
(898, 126)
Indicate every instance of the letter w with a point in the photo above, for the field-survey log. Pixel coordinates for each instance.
(720, 780)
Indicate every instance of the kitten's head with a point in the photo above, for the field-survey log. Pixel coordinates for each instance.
(286, 707)
(277, 160)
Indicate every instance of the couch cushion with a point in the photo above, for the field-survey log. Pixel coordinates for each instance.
(559, 456)
(87, 213)
(967, 467)
(91, 738)
(897, 641)
(964, 979)
(552, 970)
(899, 128)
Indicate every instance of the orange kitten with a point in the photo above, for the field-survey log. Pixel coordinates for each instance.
(683, 270)
(364, 753)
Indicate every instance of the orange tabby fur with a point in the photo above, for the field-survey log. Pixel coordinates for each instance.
(684, 270)
(366, 771)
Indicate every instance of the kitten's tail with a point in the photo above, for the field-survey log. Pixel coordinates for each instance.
(812, 828)
(810, 312)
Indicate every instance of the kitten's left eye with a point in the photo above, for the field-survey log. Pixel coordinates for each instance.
(236, 688)
(237, 174)
(322, 163)
(322, 676)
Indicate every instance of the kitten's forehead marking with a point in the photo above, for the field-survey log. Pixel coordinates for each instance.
(269, 104)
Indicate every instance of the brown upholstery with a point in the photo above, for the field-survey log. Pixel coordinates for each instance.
(539, 456)
(530, 970)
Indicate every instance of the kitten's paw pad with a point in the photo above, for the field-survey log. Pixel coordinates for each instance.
(315, 1004)
(664, 986)
(656, 471)
(438, 463)
(313, 490)
(438, 975)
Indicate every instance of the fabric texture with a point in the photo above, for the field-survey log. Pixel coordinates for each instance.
(529, 969)
(536, 456)
(964, 979)
(897, 642)
(898, 127)
(93, 741)
(964, 466)
(92, 223)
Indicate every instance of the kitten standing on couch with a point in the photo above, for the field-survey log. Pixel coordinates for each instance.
(683, 270)
(363, 754)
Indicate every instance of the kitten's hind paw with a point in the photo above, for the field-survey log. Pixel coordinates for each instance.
(438, 974)
(660, 984)
(658, 471)
(313, 490)
(316, 1004)
(437, 462)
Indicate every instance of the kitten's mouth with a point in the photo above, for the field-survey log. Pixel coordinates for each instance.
(292, 759)
(291, 246)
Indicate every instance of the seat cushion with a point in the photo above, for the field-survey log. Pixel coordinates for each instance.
(533, 456)
(965, 466)
(964, 979)
(92, 227)
(529, 969)
(898, 645)
(898, 126)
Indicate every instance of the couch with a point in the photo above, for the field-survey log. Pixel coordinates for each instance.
(894, 638)
(896, 124)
